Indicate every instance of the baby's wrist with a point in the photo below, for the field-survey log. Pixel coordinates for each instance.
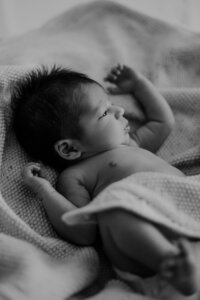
(139, 82)
(40, 186)
(46, 187)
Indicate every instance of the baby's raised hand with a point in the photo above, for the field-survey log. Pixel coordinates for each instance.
(33, 178)
(124, 79)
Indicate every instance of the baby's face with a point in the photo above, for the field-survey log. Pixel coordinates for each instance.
(104, 126)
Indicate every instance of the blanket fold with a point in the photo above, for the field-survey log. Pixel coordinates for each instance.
(169, 201)
(28, 273)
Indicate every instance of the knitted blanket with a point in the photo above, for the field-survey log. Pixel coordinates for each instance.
(34, 262)
(169, 201)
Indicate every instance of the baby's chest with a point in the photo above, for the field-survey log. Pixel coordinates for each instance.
(110, 170)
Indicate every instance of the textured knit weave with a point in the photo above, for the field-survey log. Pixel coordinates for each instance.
(22, 216)
(167, 200)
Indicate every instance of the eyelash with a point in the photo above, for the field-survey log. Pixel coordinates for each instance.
(104, 114)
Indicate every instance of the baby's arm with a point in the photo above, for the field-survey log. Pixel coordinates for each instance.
(159, 116)
(56, 205)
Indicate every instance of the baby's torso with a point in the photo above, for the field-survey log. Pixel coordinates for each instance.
(113, 165)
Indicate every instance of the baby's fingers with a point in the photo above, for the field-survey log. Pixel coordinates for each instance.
(116, 71)
(114, 74)
(31, 169)
(111, 78)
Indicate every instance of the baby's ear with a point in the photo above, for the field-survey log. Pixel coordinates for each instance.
(67, 150)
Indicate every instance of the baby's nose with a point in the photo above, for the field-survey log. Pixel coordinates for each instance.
(119, 111)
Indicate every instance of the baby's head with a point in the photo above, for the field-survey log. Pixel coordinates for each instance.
(58, 114)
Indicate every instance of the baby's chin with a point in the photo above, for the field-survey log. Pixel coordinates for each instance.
(127, 141)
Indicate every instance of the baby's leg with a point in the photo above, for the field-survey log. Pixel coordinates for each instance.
(139, 240)
(183, 271)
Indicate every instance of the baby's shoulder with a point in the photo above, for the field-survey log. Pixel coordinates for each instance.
(78, 173)
(70, 173)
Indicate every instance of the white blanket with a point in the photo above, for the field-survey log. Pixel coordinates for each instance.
(90, 38)
(169, 201)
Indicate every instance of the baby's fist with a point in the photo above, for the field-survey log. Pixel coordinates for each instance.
(124, 79)
(32, 177)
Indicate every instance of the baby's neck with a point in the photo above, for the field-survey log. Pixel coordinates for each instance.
(88, 155)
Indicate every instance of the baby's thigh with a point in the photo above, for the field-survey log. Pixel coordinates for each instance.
(115, 229)
(117, 224)
(110, 228)
(112, 221)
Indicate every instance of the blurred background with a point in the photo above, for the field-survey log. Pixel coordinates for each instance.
(19, 16)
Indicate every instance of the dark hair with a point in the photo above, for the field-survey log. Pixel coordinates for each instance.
(46, 105)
